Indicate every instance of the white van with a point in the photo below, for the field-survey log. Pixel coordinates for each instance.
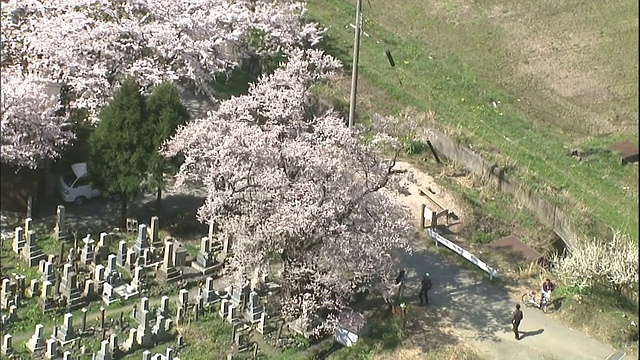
(75, 187)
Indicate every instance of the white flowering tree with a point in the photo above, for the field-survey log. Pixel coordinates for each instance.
(93, 45)
(31, 130)
(612, 264)
(303, 189)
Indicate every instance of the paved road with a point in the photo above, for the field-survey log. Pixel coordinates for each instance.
(480, 313)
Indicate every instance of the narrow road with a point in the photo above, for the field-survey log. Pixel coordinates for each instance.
(479, 312)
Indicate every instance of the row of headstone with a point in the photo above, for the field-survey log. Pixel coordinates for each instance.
(168, 355)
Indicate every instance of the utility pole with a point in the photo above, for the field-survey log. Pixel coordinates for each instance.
(354, 67)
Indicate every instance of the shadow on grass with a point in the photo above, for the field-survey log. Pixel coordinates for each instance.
(331, 46)
(557, 303)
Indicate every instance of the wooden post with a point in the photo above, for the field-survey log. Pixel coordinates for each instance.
(423, 207)
(433, 151)
(434, 220)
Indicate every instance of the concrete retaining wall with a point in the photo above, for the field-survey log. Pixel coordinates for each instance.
(547, 213)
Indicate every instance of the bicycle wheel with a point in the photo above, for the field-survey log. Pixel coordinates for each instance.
(529, 300)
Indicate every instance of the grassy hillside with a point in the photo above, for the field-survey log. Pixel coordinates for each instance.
(563, 75)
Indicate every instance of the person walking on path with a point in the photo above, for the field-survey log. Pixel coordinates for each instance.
(424, 289)
(515, 320)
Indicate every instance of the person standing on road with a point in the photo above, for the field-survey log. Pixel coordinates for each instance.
(547, 288)
(424, 289)
(516, 318)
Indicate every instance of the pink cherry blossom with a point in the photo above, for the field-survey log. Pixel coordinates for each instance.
(305, 189)
(30, 128)
(91, 45)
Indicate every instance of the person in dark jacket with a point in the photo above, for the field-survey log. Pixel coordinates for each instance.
(516, 318)
(401, 283)
(424, 289)
(547, 288)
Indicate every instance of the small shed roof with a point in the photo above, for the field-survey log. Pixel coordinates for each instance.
(627, 150)
(351, 320)
(515, 248)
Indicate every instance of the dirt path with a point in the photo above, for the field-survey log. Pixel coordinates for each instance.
(468, 309)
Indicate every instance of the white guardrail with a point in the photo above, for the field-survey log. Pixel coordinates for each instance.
(462, 252)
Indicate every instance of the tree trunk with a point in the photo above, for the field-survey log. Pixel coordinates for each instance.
(159, 201)
(123, 211)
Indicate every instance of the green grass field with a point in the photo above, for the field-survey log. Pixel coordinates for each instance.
(565, 75)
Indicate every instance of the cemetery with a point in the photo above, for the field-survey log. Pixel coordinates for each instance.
(137, 294)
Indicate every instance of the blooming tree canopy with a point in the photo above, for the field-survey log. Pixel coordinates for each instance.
(304, 189)
(92, 45)
(30, 128)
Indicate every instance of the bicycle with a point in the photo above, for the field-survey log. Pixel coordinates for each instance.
(530, 299)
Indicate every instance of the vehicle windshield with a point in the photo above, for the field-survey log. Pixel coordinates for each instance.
(69, 178)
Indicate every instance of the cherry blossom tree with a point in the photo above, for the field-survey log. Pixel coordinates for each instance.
(92, 45)
(304, 189)
(611, 264)
(31, 130)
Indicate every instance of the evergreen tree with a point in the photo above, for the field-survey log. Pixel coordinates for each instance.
(165, 112)
(119, 154)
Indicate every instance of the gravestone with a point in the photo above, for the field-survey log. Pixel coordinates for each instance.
(209, 295)
(111, 264)
(103, 353)
(153, 232)
(46, 301)
(103, 242)
(136, 282)
(36, 342)
(86, 254)
(121, 256)
(34, 288)
(262, 323)
(205, 263)
(51, 352)
(254, 308)
(27, 225)
(113, 344)
(5, 294)
(146, 355)
(108, 294)
(167, 271)
(31, 253)
(140, 309)
(159, 328)
(18, 240)
(48, 273)
(7, 346)
(164, 305)
(60, 231)
(224, 308)
(66, 355)
(89, 290)
(180, 314)
(99, 274)
(66, 334)
(131, 259)
(232, 315)
(141, 241)
(13, 313)
(69, 288)
(183, 297)
(144, 337)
